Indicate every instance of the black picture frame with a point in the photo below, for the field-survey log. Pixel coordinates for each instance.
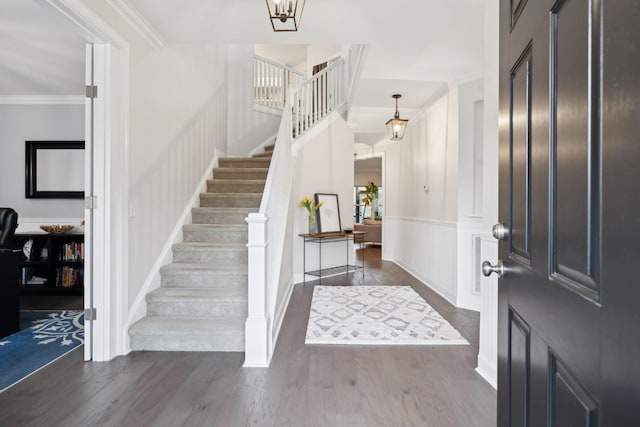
(328, 215)
(32, 190)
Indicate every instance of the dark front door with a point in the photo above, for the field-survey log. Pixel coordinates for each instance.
(569, 316)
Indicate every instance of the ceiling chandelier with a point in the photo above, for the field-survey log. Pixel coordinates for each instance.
(285, 15)
(396, 126)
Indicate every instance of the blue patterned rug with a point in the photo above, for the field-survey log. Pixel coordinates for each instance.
(44, 337)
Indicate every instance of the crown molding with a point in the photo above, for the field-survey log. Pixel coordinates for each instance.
(137, 22)
(42, 100)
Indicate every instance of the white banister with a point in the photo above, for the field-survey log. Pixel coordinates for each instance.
(318, 97)
(267, 240)
(257, 325)
(270, 242)
(272, 81)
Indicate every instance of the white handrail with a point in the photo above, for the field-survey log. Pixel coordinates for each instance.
(318, 96)
(270, 230)
(272, 81)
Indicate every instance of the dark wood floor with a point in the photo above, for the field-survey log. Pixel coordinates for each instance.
(305, 386)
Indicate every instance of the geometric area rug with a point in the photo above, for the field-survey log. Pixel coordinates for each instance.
(44, 337)
(376, 315)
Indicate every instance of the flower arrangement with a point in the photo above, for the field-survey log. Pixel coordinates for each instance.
(311, 207)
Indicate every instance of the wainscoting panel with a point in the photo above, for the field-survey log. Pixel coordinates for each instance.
(426, 249)
(469, 261)
(488, 347)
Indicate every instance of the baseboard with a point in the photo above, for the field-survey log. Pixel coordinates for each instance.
(139, 307)
(488, 371)
(437, 289)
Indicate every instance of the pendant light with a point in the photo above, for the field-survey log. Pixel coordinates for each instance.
(396, 126)
(285, 15)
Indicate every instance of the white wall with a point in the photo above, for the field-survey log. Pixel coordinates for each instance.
(420, 226)
(247, 127)
(363, 172)
(324, 164)
(470, 173)
(177, 121)
(319, 53)
(20, 123)
(433, 232)
(487, 354)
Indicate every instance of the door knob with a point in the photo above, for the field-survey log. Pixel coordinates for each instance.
(499, 231)
(487, 268)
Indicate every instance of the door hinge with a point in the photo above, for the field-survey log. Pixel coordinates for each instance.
(90, 202)
(91, 91)
(90, 314)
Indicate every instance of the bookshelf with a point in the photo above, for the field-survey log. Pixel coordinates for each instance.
(55, 265)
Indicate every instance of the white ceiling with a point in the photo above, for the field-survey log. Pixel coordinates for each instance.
(41, 53)
(416, 47)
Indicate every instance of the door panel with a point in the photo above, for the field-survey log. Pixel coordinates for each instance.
(570, 404)
(520, 118)
(569, 172)
(575, 141)
(519, 356)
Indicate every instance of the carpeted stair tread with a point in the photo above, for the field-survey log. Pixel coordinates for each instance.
(202, 303)
(221, 216)
(197, 294)
(223, 209)
(244, 162)
(235, 186)
(240, 170)
(213, 246)
(267, 154)
(211, 252)
(240, 173)
(193, 302)
(230, 227)
(194, 267)
(229, 233)
(251, 200)
(181, 333)
(197, 325)
(238, 181)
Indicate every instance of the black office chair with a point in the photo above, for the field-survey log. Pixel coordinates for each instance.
(8, 225)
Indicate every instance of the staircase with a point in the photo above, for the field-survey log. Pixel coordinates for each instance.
(201, 304)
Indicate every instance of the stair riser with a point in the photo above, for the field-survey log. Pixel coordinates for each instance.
(212, 200)
(220, 217)
(215, 236)
(244, 163)
(213, 257)
(220, 186)
(200, 308)
(239, 174)
(200, 279)
(189, 342)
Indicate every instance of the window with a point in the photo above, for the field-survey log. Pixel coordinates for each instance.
(362, 211)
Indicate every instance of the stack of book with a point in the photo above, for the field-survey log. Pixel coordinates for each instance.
(71, 252)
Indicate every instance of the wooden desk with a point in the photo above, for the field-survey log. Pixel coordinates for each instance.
(326, 238)
(9, 292)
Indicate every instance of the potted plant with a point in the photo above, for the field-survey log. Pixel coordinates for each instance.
(370, 194)
(311, 207)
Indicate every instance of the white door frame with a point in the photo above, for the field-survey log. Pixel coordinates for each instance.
(110, 164)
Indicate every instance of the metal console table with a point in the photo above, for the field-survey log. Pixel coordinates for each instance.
(327, 238)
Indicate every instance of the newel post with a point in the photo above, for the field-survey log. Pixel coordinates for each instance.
(257, 340)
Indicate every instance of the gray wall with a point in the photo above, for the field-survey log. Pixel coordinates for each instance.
(20, 123)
